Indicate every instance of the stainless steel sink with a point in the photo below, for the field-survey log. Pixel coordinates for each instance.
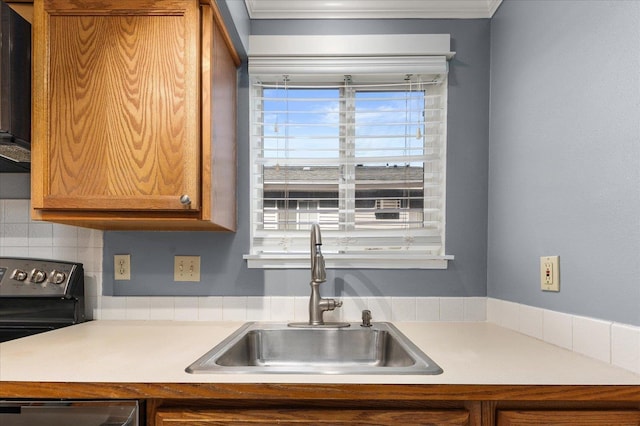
(262, 347)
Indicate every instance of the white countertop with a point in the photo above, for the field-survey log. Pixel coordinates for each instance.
(159, 351)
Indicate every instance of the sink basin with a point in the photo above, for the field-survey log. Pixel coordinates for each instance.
(262, 347)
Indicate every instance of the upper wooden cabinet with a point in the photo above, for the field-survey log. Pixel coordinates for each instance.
(134, 115)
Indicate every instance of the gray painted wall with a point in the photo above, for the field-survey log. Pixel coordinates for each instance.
(225, 273)
(564, 155)
(234, 12)
(16, 186)
(564, 168)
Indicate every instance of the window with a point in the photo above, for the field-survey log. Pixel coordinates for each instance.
(362, 155)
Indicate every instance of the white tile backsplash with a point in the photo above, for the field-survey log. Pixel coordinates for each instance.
(557, 329)
(510, 317)
(89, 238)
(15, 235)
(351, 309)
(16, 211)
(614, 343)
(301, 308)
(451, 309)
(209, 309)
(428, 309)
(625, 346)
(285, 308)
(282, 308)
(592, 337)
(40, 235)
(113, 308)
(137, 308)
(41, 252)
(381, 308)
(185, 308)
(475, 308)
(65, 235)
(531, 321)
(403, 308)
(161, 308)
(258, 309)
(234, 308)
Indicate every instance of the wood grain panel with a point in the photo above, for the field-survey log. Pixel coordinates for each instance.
(118, 116)
(569, 417)
(120, 82)
(218, 124)
(323, 392)
(310, 416)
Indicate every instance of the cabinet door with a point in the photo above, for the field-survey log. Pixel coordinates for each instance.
(116, 94)
(569, 417)
(312, 417)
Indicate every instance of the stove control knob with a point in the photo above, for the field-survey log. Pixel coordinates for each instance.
(57, 277)
(38, 276)
(18, 275)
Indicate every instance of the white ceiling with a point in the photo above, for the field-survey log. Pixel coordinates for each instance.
(371, 9)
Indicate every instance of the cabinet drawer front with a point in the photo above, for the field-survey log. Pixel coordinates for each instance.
(313, 417)
(569, 417)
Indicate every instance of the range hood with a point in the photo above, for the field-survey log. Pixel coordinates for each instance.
(15, 91)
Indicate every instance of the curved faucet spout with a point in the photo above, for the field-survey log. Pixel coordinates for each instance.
(316, 235)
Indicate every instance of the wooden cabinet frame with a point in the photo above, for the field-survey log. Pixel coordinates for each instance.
(118, 151)
(483, 403)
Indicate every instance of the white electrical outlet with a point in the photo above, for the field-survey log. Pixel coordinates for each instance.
(122, 267)
(186, 268)
(550, 273)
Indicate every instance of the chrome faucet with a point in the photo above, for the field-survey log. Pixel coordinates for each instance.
(317, 305)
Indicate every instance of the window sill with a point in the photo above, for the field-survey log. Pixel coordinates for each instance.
(349, 261)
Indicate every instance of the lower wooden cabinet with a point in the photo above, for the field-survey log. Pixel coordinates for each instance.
(568, 417)
(311, 417)
(205, 404)
(471, 414)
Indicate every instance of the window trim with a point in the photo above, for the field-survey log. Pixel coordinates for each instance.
(348, 261)
(319, 59)
(400, 259)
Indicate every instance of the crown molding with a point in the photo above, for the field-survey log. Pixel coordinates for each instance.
(371, 9)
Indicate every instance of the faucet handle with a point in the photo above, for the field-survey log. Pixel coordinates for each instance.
(331, 304)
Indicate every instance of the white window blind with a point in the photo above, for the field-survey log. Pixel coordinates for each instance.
(363, 155)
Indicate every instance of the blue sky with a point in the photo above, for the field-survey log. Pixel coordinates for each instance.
(306, 122)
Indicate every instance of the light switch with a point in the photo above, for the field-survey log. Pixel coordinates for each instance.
(186, 268)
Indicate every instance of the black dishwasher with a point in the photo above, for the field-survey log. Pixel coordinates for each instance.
(66, 413)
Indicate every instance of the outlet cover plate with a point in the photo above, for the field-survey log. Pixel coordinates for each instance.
(122, 267)
(550, 273)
